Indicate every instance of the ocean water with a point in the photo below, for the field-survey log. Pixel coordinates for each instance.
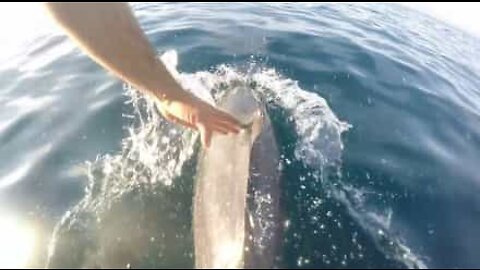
(375, 108)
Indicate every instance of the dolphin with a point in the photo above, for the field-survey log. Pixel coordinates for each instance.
(236, 208)
(236, 202)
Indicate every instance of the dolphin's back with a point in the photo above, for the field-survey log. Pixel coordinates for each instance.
(222, 223)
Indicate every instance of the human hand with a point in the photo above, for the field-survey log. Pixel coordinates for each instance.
(194, 113)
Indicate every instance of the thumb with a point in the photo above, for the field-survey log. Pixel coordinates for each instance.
(205, 135)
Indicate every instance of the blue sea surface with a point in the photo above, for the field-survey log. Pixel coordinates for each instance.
(376, 110)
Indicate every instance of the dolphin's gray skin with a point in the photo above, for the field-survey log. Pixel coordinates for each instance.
(236, 205)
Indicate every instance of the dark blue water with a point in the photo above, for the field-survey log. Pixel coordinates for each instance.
(402, 193)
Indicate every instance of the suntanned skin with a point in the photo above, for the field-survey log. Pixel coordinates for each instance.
(110, 34)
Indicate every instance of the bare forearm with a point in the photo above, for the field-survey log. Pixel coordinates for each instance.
(110, 34)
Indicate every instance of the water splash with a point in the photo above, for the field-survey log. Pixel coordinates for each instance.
(154, 156)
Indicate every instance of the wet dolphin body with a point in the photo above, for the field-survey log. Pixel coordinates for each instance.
(236, 205)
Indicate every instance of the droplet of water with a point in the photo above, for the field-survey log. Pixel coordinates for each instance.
(299, 261)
